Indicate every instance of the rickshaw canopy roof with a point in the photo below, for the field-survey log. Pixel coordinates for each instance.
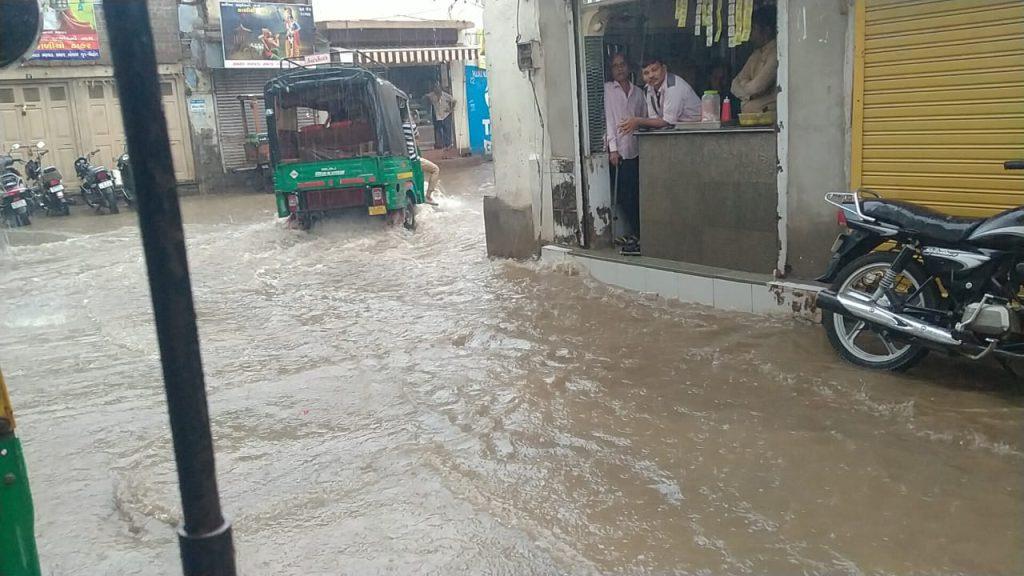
(312, 79)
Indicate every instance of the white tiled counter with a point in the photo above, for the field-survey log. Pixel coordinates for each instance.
(722, 289)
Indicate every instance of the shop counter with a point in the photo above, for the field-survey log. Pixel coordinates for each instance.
(709, 196)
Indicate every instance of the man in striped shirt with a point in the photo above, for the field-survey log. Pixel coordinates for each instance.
(431, 171)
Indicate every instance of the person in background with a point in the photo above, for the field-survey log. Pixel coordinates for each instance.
(756, 83)
(670, 100)
(624, 100)
(431, 171)
(442, 104)
(718, 79)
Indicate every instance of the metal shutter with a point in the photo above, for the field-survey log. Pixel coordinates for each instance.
(227, 86)
(939, 102)
(593, 47)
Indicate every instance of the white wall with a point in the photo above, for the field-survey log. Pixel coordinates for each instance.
(533, 114)
(457, 71)
(515, 125)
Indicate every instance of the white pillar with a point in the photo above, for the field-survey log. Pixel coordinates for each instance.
(457, 72)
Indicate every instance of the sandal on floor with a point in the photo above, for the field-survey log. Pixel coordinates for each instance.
(630, 249)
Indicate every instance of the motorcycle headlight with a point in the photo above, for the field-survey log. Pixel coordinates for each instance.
(124, 157)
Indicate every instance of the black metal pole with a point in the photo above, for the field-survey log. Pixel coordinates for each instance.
(205, 535)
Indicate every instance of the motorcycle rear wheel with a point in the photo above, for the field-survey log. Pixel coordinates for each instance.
(111, 201)
(856, 340)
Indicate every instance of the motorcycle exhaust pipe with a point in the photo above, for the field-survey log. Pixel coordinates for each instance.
(860, 306)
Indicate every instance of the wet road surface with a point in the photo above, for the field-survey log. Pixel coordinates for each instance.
(393, 402)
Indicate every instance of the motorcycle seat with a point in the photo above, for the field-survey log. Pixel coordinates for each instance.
(928, 223)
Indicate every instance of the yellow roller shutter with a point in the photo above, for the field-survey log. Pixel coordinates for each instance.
(939, 102)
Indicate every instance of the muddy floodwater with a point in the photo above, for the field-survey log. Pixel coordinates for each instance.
(386, 402)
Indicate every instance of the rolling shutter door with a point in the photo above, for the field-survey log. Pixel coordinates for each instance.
(228, 85)
(939, 102)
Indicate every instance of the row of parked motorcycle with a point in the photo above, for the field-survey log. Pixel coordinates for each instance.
(42, 190)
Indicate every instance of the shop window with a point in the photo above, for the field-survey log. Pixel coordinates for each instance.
(30, 94)
(6, 95)
(96, 91)
(166, 89)
(57, 94)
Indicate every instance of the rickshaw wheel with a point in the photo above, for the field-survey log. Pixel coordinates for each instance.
(304, 222)
(409, 213)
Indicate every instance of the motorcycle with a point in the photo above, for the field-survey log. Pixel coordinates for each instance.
(47, 182)
(14, 206)
(124, 180)
(949, 284)
(97, 187)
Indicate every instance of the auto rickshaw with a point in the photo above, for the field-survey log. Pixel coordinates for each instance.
(337, 144)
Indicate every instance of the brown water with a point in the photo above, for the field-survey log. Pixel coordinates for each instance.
(387, 402)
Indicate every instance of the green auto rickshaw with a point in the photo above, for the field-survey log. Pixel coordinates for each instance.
(337, 144)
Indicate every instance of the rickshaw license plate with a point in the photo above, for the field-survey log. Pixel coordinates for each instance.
(378, 210)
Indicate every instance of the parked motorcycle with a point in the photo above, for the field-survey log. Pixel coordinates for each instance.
(14, 206)
(951, 284)
(97, 189)
(124, 180)
(47, 183)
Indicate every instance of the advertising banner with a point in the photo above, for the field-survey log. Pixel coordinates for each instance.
(263, 34)
(69, 31)
(478, 105)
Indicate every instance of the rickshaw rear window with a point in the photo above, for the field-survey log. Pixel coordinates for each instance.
(329, 122)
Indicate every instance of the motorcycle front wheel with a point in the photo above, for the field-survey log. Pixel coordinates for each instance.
(873, 347)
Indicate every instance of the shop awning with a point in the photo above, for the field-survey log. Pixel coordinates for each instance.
(409, 56)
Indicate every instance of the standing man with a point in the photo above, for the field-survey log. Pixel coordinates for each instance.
(670, 100)
(756, 83)
(442, 104)
(624, 100)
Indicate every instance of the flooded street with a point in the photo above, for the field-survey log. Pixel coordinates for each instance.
(394, 402)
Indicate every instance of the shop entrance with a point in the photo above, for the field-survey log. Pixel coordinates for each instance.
(671, 172)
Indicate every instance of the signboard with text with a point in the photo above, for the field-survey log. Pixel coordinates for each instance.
(478, 107)
(265, 35)
(69, 31)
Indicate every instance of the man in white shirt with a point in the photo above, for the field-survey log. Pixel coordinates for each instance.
(443, 104)
(623, 100)
(670, 100)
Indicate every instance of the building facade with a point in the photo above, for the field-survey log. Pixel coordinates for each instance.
(919, 101)
(67, 96)
(413, 55)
